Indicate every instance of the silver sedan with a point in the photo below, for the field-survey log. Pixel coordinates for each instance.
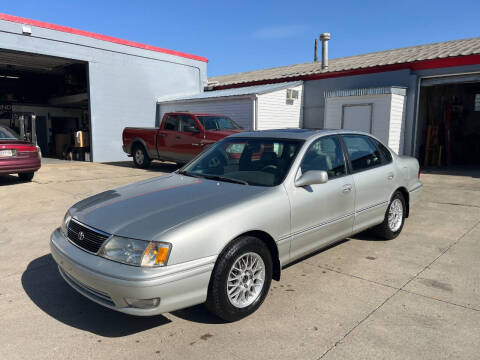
(221, 228)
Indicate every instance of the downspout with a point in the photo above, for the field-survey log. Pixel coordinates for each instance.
(255, 112)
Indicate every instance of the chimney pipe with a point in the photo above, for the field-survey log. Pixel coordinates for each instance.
(315, 52)
(324, 37)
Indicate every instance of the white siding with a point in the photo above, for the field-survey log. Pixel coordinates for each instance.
(397, 123)
(388, 116)
(240, 110)
(275, 113)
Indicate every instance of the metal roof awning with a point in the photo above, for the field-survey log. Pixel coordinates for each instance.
(367, 91)
(241, 91)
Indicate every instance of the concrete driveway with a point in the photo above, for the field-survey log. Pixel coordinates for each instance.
(417, 296)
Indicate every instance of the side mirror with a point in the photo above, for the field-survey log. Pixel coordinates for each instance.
(191, 129)
(312, 177)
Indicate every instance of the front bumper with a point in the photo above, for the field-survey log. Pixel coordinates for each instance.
(109, 283)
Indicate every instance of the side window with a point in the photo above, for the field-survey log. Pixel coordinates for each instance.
(325, 154)
(171, 123)
(187, 124)
(387, 155)
(363, 154)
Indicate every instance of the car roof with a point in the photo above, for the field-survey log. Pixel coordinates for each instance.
(192, 113)
(299, 134)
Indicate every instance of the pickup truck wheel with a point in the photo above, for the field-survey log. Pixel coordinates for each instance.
(140, 157)
(392, 225)
(240, 280)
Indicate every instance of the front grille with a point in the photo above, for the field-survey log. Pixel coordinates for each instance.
(86, 237)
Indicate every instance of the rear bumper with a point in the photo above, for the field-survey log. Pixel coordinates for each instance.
(414, 193)
(13, 165)
(109, 283)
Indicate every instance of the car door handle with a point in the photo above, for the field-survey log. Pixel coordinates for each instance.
(194, 144)
(346, 188)
(178, 137)
(161, 135)
(390, 176)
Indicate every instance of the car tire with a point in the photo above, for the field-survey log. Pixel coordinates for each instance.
(28, 176)
(392, 225)
(141, 159)
(240, 279)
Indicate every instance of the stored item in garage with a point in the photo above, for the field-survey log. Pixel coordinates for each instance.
(81, 139)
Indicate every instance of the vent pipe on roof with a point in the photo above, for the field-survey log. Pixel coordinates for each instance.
(315, 51)
(324, 37)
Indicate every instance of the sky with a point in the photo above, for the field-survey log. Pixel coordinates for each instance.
(246, 35)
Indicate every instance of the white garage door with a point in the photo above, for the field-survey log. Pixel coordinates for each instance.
(357, 117)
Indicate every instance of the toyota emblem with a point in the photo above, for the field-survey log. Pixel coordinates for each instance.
(81, 236)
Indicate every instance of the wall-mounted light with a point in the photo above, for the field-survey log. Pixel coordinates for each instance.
(26, 30)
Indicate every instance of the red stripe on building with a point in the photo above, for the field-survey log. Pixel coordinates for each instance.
(417, 65)
(111, 39)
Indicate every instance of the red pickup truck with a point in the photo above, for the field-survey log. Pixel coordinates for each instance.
(180, 137)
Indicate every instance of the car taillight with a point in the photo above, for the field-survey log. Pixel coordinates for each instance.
(419, 173)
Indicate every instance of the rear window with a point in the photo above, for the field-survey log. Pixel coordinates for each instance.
(387, 155)
(363, 154)
(7, 134)
(218, 123)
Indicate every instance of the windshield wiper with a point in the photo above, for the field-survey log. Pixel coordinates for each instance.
(226, 179)
(186, 173)
(212, 177)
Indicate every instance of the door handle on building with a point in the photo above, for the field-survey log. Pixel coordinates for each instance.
(346, 188)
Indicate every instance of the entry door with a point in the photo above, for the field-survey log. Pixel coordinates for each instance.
(167, 138)
(322, 213)
(358, 117)
(179, 139)
(374, 180)
(190, 142)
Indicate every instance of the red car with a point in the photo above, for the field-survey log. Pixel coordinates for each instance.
(17, 156)
(180, 137)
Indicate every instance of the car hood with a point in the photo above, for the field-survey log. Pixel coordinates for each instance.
(147, 209)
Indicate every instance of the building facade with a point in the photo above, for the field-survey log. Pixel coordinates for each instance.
(74, 80)
(440, 106)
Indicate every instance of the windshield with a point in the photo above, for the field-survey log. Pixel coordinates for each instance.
(7, 134)
(250, 161)
(218, 123)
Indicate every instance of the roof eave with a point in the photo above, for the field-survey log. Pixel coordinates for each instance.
(462, 60)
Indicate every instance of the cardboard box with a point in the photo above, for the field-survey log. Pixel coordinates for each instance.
(60, 141)
(81, 139)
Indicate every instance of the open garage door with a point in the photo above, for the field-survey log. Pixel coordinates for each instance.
(448, 132)
(45, 99)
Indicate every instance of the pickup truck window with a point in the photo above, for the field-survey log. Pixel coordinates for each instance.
(218, 123)
(171, 123)
(187, 124)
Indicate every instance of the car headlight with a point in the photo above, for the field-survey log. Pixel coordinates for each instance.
(136, 252)
(66, 220)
